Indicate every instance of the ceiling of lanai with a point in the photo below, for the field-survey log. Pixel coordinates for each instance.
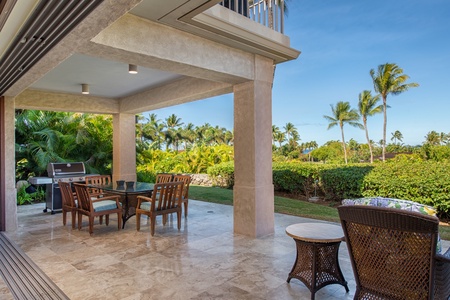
(80, 57)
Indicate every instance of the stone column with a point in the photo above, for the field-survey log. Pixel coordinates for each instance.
(124, 147)
(253, 189)
(8, 177)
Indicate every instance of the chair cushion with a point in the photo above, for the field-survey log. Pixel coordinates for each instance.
(397, 204)
(104, 205)
(145, 205)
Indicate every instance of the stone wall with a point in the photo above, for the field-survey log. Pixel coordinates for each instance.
(201, 179)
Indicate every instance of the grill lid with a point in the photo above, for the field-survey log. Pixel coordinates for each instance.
(65, 169)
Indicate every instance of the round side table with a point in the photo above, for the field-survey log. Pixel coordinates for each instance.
(317, 263)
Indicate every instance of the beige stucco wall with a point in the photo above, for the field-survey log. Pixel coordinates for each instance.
(253, 189)
(124, 147)
(10, 170)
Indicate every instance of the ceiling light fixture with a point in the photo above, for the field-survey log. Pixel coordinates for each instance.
(85, 89)
(132, 69)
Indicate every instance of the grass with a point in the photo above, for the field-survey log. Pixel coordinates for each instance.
(282, 205)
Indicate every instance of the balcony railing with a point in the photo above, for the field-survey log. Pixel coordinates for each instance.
(269, 13)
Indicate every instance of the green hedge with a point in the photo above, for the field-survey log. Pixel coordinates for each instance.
(425, 182)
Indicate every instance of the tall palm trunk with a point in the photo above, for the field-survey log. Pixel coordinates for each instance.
(368, 140)
(343, 143)
(384, 128)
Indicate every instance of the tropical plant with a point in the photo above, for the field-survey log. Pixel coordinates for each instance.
(342, 113)
(433, 138)
(396, 136)
(367, 107)
(389, 79)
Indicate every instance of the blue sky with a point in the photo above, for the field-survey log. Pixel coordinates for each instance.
(341, 41)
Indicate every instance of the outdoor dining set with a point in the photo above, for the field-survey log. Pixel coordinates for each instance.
(394, 245)
(100, 197)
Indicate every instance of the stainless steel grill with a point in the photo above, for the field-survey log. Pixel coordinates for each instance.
(65, 172)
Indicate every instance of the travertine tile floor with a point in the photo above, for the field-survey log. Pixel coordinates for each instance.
(204, 260)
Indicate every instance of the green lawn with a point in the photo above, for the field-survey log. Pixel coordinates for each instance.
(282, 205)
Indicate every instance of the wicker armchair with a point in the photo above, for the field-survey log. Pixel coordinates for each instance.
(185, 196)
(393, 253)
(164, 202)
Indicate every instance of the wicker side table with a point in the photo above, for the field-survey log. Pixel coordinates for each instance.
(317, 263)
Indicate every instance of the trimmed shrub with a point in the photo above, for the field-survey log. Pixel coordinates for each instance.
(222, 174)
(339, 182)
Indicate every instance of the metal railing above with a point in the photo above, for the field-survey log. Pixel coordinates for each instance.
(269, 13)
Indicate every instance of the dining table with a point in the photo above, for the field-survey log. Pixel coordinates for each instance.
(128, 191)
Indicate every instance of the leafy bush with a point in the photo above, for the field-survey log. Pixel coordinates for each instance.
(222, 174)
(296, 178)
(424, 182)
(340, 182)
(23, 197)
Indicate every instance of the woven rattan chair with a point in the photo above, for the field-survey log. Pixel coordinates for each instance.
(393, 253)
(185, 196)
(68, 202)
(96, 207)
(164, 202)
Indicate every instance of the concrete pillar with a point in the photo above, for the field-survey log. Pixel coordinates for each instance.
(124, 147)
(253, 189)
(8, 164)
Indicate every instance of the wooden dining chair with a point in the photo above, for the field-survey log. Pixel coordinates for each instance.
(98, 180)
(96, 207)
(163, 177)
(185, 195)
(69, 203)
(165, 202)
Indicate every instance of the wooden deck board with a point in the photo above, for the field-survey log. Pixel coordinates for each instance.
(23, 277)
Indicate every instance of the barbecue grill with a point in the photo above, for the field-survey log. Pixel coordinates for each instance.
(65, 172)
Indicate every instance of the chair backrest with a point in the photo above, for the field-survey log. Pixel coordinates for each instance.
(68, 199)
(187, 180)
(163, 177)
(83, 197)
(166, 198)
(98, 180)
(392, 251)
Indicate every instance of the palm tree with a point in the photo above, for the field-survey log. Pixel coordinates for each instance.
(290, 130)
(280, 137)
(367, 107)
(275, 132)
(396, 136)
(433, 138)
(389, 79)
(342, 113)
(173, 134)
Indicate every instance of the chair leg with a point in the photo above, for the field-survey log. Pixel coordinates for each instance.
(138, 221)
(152, 224)
(64, 217)
(185, 209)
(164, 219)
(107, 220)
(80, 215)
(91, 225)
(101, 220)
(119, 220)
(179, 219)
(74, 214)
